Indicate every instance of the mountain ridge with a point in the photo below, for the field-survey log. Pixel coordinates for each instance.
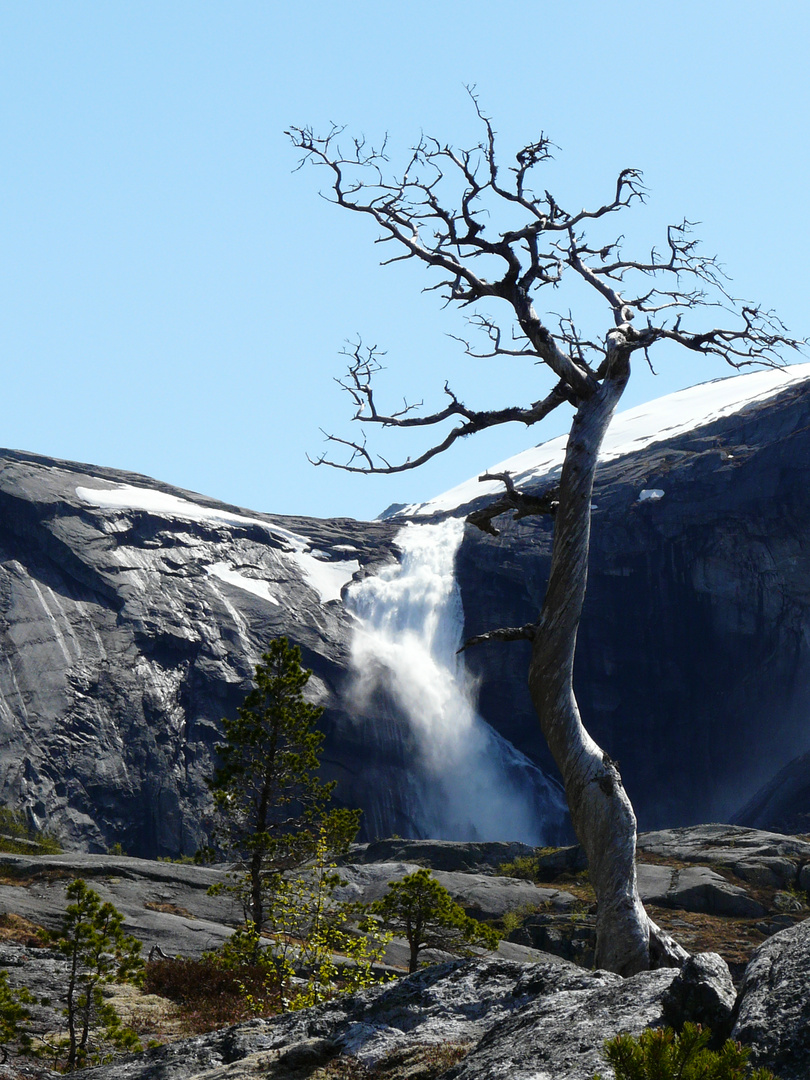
(127, 632)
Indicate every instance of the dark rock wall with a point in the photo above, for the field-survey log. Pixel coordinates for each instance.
(693, 662)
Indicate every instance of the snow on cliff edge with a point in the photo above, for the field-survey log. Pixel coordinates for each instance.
(653, 422)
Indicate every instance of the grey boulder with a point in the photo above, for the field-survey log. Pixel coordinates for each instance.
(761, 858)
(453, 856)
(696, 888)
(774, 1004)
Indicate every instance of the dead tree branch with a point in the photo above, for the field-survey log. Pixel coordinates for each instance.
(524, 505)
(448, 208)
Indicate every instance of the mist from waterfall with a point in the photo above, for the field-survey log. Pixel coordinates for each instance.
(467, 781)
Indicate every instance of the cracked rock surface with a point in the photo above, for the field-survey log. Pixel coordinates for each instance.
(774, 1004)
(521, 1021)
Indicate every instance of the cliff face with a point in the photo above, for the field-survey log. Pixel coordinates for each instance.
(132, 613)
(693, 662)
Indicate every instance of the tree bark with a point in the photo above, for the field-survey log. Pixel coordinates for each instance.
(601, 812)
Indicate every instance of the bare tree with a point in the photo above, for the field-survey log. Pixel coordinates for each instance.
(491, 238)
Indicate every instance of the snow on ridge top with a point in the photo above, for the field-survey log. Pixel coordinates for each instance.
(130, 497)
(324, 577)
(634, 429)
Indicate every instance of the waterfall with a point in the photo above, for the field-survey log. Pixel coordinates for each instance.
(466, 782)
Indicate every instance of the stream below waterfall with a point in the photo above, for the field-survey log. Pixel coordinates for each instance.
(466, 781)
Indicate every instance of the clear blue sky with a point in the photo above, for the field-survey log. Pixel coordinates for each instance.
(174, 297)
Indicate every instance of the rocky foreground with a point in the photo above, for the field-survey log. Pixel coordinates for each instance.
(738, 898)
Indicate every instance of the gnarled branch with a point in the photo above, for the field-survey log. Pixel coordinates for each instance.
(506, 633)
(524, 505)
(454, 211)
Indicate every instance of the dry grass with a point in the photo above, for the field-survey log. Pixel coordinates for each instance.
(734, 939)
(209, 996)
(21, 931)
(169, 909)
(154, 1018)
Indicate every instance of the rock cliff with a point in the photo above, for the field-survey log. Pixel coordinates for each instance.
(131, 614)
(693, 662)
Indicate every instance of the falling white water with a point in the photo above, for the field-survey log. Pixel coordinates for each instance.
(467, 782)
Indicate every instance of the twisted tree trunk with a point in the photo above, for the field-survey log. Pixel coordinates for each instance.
(603, 818)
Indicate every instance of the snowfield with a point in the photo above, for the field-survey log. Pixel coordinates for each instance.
(653, 422)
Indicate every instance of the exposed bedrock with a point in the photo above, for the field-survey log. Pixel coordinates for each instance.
(127, 632)
(693, 662)
(132, 613)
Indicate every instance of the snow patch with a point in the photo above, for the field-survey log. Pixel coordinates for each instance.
(650, 495)
(326, 578)
(224, 572)
(130, 497)
(635, 429)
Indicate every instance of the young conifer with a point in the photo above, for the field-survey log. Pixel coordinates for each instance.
(272, 805)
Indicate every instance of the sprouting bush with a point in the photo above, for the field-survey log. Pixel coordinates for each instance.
(661, 1054)
(526, 867)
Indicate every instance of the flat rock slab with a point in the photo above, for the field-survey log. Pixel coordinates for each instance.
(774, 1004)
(180, 915)
(482, 896)
(696, 888)
(716, 843)
(450, 855)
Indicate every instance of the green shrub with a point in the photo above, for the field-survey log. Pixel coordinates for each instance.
(526, 867)
(19, 837)
(13, 1013)
(421, 910)
(661, 1054)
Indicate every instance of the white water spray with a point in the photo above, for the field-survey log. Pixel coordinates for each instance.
(470, 783)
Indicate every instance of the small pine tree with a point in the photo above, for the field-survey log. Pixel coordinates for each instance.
(272, 806)
(311, 950)
(13, 1014)
(98, 952)
(421, 910)
(661, 1054)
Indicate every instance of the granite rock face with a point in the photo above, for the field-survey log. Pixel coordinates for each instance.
(783, 803)
(131, 617)
(774, 1006)
(521, 1021)
(693, 661)
(132, 613)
